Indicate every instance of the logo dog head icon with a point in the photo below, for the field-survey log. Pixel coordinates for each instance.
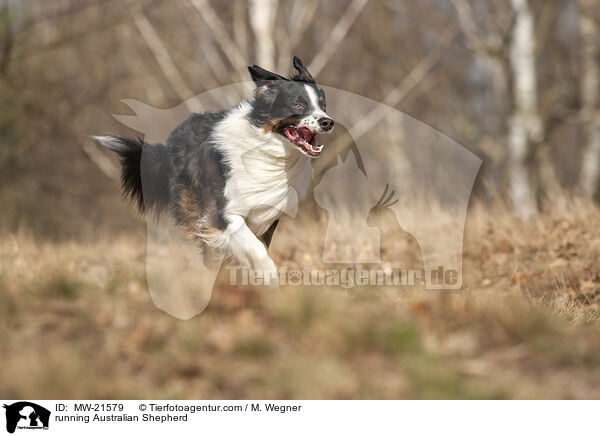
(25, 414)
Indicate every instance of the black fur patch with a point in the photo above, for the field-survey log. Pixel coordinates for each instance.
(144, 174)
(198, 170)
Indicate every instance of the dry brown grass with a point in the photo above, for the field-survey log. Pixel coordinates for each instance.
(76, 321)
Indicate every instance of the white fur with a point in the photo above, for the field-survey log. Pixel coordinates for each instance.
(244, 246)
(312, 120)
(110, 142)
(268, 177)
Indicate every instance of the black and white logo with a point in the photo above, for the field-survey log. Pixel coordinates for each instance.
(26, 415)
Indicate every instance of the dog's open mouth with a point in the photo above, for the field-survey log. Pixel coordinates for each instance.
(305, 139)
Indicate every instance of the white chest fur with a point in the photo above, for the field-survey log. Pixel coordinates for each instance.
(268, 177)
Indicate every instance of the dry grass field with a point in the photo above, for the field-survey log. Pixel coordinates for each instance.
(76, 321)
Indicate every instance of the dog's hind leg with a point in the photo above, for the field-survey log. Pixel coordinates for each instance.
(243, 245)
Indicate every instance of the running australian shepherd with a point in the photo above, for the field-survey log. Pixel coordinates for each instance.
(226, 177)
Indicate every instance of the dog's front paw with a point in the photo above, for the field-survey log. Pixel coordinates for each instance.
(267, 271)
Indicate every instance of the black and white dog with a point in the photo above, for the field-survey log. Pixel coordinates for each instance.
(227, 177)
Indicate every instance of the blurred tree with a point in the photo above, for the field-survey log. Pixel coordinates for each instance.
(503, 37)
(262, 19)
(525, 124)
(590, 80)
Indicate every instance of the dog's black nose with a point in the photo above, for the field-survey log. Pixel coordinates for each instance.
(326, 123)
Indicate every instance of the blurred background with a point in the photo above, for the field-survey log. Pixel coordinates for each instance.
(514, 81)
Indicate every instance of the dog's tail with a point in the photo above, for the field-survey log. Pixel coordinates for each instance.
(144, 172)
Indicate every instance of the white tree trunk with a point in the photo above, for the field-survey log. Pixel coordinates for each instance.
(262, 20)
(525, 124)
(590, 169)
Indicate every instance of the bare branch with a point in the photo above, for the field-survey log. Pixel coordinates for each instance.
(162, 56)
(300, 17)
(215, 24)
(221, 74)
(493, 44)
(337, 35)
(415, 77)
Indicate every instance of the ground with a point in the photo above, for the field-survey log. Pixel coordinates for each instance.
(76, 321)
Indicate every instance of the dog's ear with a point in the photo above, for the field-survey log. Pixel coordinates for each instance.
(264, 97)
(303, 74)
(260, 75)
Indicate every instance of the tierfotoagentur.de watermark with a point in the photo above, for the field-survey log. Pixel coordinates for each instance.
(345, 278)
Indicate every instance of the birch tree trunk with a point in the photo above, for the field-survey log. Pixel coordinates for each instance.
(525, 126)
(489, 47)
(262, 19)
(590, 169)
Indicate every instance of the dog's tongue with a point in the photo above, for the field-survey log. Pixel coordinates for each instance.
(292, 133)
(305, 133)
(304, 138)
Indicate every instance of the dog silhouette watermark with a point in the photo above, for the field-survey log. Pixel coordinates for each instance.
(395, 199)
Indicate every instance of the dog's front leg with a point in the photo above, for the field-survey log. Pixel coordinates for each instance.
(247, 248)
